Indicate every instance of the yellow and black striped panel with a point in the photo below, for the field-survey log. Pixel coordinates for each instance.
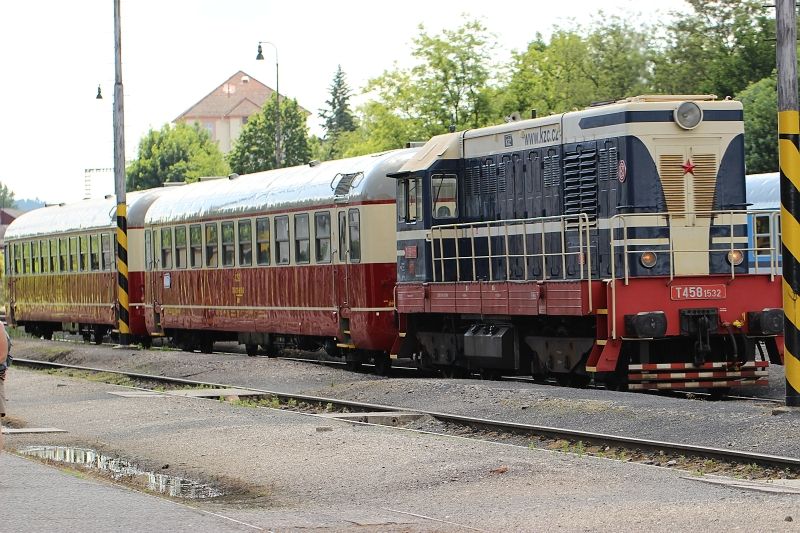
(122, 273)
(789, 133)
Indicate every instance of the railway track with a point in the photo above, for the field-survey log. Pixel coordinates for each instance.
(570, 440)
(412, 371)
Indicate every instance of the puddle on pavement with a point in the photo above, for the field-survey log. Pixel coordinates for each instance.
(124, 471)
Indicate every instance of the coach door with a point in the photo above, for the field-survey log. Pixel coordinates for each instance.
(342, 281)
(153, 278)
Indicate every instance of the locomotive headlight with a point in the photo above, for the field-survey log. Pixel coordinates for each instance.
(688, 115)
(648, 259)
(735, 257)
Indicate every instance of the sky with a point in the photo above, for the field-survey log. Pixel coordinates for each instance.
(174, 52)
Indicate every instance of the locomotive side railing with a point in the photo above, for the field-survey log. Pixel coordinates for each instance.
(552, 239)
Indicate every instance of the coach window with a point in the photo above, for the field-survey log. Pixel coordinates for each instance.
(245, 228)
(35, 257)
(166, 248)
(83, 240)
(444, 203)
(322, 236)
(180, 247)
(212, 245)
(762, 235)
(196, 246)
(26, 257)
(228, 246)
(94, 252)
(354, 221)
(302, 242)
(63, 254)
(45, 247)
(282, 240)
(17, 258)
(262, 241)
(7, 260)
(53, 255)
(105, 247)
(73, 254)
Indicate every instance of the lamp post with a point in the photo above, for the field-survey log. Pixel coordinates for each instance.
(260, 57)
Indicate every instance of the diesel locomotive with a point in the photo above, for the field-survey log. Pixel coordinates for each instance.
(609, 243)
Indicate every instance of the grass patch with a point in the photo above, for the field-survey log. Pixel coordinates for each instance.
(109, 378)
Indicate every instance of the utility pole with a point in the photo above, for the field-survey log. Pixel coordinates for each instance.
(119, 187)
(789, 157)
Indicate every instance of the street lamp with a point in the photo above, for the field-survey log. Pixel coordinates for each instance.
(260, 57)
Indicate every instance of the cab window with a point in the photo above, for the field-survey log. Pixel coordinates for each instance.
(444, 197)
(409, 205)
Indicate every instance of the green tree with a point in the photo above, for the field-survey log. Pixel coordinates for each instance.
(337, 116)
(7, 197)
(721, 48)
(254, 150)
(760, 101)
(550, 77)
(174, 154)
(619, 58)
(447, 87)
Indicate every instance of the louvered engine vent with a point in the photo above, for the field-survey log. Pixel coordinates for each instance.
(673, 181)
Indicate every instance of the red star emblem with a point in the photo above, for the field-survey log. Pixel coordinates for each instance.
(688, 167)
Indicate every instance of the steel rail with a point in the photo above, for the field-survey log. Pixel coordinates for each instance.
(633, 443)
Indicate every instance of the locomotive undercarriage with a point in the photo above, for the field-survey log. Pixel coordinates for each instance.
(558, 348)
(545, 348)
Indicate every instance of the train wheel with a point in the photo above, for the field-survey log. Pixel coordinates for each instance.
(206, 345)
(454, 372)
(252, 349)
(490, 374)
(47, 334)
(146, 342)
(86, 336)
(353, 366)
(382, 364)
(719, 393)
(99, 333)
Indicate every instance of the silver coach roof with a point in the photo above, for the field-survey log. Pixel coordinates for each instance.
(764, 191)
(95, 213)
(280, 189)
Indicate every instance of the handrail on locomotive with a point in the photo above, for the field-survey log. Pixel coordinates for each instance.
(577, 225)
(580, 226)
(730, 218)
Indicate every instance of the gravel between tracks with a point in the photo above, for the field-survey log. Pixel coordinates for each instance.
(741, 425)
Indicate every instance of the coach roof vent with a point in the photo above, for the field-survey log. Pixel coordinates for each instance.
(313, 163)
(345, 183)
